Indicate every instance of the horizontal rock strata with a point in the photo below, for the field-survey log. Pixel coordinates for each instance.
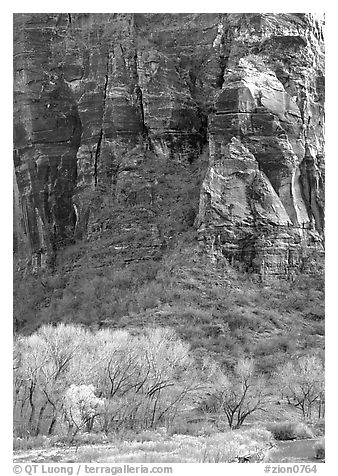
(118, 117)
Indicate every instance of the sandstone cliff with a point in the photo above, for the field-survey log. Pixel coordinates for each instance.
(132, 128)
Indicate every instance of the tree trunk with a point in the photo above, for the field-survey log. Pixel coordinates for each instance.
(41, 412)
(51, 426)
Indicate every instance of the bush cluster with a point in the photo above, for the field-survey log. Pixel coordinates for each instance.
(290, 431)
(319, 449)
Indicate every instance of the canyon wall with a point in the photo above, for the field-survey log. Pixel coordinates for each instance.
(130, 129)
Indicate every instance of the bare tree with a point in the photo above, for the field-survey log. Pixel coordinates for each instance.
(302, 384)
(30, 358)
(240, 394)
(142, 380)
(43, 362)
(153, 373)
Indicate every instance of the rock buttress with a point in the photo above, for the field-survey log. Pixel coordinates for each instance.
(262, 201)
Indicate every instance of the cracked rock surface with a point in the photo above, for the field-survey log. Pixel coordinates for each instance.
(142, 126)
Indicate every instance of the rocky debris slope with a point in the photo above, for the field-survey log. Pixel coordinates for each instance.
(118, 117)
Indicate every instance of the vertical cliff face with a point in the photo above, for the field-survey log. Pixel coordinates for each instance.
(47, 134)
(262, 200)
(117, 117)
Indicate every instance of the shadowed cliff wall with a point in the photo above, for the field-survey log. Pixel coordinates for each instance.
(145, 125)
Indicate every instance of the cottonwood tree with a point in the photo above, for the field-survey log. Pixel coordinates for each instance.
(42, 373)
(145, 378)
(62, 344)
(302, 384)
(240, 393)
(30, 357)
(142, 380)
(173, 376)
(117, 376)
(81, 406)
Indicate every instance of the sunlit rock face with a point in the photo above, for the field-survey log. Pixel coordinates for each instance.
(119, 117)
(262, 200)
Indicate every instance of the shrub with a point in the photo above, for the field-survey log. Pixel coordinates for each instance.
(90, 455)
(90, 439)
(150, 295)
(302, 431)
(259, 434)
(146, 435)
(319, 427)
(227, 447)
(282, 431)
(319, 449)
(198, 428)
(31, 442)
(290, 431)
(272, 345)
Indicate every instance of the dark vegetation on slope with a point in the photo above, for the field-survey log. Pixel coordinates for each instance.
(217, 309)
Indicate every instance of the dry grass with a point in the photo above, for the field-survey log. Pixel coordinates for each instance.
(161, 447)
(217, 448)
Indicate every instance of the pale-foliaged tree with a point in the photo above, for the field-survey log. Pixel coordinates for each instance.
(42, 365)
(81, 406)
(240, 393)
(145, 378)
(102, 380)
(302, 384)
